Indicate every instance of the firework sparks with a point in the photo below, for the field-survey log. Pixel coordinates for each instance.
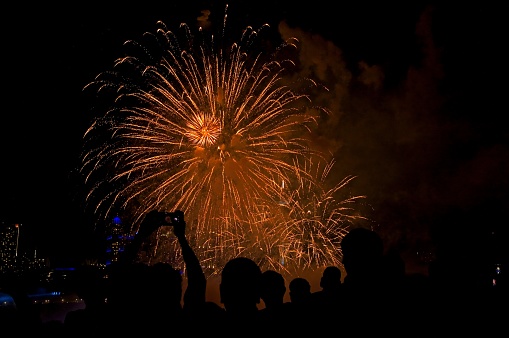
(306, 228)
(211, 131)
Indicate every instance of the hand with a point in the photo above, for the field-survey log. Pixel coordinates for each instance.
(179, 227)
(152, 221)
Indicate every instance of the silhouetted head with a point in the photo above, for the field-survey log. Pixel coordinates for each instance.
(165, 285)
(300, 290)
(240, 284)
(362, 251)
(273, 288)
(331, 278)
(394, 266)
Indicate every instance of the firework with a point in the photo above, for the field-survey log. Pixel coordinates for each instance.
(306, 227)
(187, 123)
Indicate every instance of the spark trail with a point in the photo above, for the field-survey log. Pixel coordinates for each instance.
(187, 123)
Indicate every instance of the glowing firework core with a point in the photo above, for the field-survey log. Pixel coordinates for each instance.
(214, 132)
(203, 130)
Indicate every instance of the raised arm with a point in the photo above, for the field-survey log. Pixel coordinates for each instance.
(194, 296)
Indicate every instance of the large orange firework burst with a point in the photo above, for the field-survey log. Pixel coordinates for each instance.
(216, 132)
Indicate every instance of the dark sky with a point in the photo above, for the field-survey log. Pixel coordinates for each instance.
(415, 93)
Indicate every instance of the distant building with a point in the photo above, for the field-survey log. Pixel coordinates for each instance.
(9, 236)
(12, 259)
(116, 240)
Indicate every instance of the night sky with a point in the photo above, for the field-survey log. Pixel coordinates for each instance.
(414, 89)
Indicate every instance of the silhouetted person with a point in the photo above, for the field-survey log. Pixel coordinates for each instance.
(409, 296)
(239, 291)
(145, 298)
(363, 302)
(328, 300)
(300, 298)
(363, 252)
(195, 294)
(273, 290)
(300, 291)
(394, 268)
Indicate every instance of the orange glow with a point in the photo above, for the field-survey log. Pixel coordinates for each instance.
(218, 135)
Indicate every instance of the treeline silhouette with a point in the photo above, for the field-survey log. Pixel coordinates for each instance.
(376, 296)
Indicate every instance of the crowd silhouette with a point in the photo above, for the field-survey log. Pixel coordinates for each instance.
(374, 296)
